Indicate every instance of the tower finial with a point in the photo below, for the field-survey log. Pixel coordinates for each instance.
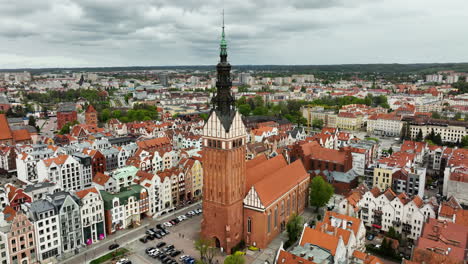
(223, 44)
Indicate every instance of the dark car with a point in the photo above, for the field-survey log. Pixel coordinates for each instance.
(113, 246)
(161, 244)
(143, 240)
(170, 247)
(150, 237)
(158, 236)
(175, 253)
(159, 226)
(166, 261)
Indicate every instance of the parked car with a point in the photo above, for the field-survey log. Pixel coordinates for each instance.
(161, 244)
(175, 253)
(370, 237)
(159, 226)
(113, 246)
(148, 250)
(123, 261)
(167, 224)
(143, 240)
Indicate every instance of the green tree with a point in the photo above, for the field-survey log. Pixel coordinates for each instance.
(245, 109)
(260, 110)
(320, 192)
(464, 142)
(438, 140)
(258, 101)
(317, 123)
(32, 121)
(204, 116)
(234, 259)
(405, 132)
(206, 249)
(419, 137)
(436, 115)
(241, 101)
(294, 228)
(457, 116)
(104, 115)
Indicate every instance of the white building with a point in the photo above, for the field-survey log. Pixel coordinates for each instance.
(47, 229)
(384, 125)
(69, 173)
(382, 210)
(92, 215)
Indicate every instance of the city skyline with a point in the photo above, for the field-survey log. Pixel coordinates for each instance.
(158, 33)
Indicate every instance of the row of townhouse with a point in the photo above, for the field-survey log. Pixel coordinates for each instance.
(450, 131)
(34, 162)
(381, 210)
(52, 228)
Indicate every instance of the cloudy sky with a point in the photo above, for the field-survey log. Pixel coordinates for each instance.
(83, 33)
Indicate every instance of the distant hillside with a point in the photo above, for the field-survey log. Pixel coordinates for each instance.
(346, 68)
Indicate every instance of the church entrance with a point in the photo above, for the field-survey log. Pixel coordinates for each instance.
(217, 242)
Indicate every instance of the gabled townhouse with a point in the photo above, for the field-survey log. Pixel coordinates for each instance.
(67, 207)
(130, 202)
(17, 237)
(92, 215)
(125, 152)
(382, 210)
(111, 156)
(8, 159)
(44, 216)
(142, 160)
(193, 171)
(26, 164)
(259, 134)
(104, 182)
(16, 196)
(152, 183)
(350, 228)
(98, 161)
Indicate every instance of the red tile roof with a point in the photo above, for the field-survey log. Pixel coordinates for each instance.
(285, 257)
(5, 131)
(280, 182)
(81, 194)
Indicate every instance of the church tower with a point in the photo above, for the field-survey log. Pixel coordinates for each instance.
(224, 171)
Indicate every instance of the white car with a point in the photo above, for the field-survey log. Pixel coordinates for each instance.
(167, 224)
(182, 217)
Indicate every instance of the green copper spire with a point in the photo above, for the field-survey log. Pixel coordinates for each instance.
(223, 44)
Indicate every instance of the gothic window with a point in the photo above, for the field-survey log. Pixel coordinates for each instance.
(276, 216)
(269, 222)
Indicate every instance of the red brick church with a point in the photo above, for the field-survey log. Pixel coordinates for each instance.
(244, 201)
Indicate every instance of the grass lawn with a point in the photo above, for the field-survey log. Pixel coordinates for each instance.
(116, 253)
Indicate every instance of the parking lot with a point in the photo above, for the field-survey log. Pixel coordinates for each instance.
(181, 236)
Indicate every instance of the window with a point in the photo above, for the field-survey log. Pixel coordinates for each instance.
(276, 217)
(249, 225)
(269, 222)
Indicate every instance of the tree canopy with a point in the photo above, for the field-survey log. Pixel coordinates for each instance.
(294, 228)
(320, 192)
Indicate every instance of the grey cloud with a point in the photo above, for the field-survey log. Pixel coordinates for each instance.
(149, 32)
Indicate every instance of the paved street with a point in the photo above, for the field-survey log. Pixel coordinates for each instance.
(49, 127)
